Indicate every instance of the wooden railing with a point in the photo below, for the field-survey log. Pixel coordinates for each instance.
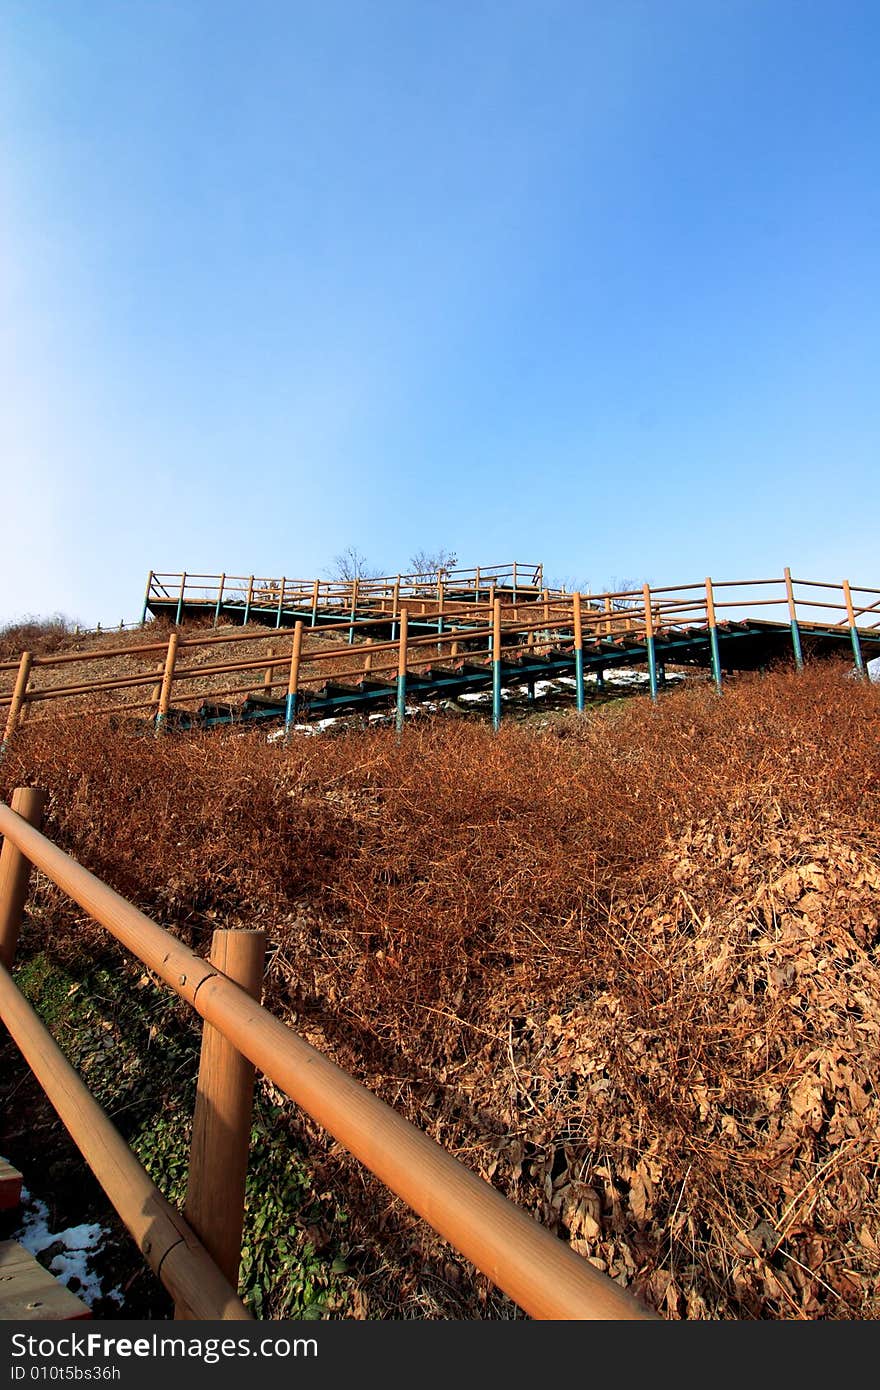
(541, 1273)
(427, 629)
(215, 594)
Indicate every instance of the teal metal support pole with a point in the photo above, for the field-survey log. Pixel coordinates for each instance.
(315, 603)
(280, 602)
(795, 630)
(147, 599)
(857, 651)
(219, 600)
(652, 667)
(247, 602)
(578, 651)
(854, 632)
(649, 642)
(289, 713)
(579, 678)
(401, 672)
(180, 600)
(293, 679)
(714, 650)
(496, 664)
(715, 658)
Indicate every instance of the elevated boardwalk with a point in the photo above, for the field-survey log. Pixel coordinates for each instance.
(313, 652)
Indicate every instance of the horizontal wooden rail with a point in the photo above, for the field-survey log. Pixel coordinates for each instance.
(536, 1269)
(439, 628)
(166, 1241)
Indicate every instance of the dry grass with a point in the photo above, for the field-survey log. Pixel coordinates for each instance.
(626, 967)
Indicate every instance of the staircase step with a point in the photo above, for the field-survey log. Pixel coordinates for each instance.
(29, 1293)
(10, 1186)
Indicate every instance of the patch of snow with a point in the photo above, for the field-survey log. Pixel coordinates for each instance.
(623, 676)
(80, 1245)
(873, 669)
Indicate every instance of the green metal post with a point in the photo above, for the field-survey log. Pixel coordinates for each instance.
(293, 679)
(219, 600)
(401, 673)
(854, 632)
(649, 642)
(714, 650)
(315, 588)
(180, 600)
(247, 603)
(354, 598)
(496, 664)
(578, 652)
(147, 599)
(280, 601)
(795, 630)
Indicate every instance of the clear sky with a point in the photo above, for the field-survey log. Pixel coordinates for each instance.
(591, 282)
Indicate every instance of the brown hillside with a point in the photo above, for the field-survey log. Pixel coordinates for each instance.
(625, 966)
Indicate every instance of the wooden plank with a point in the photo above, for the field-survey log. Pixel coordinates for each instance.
(28, 1292)
(10, 1186)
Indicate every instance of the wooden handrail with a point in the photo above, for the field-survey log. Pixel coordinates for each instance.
(670, 607)
(537, 1270)
(170, 1247)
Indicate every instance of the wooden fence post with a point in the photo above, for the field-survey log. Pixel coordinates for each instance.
(280, 600)
(496, 664)
(795, 629)
(354, 602)
(248, 601)
(221, 1130)
(649, 642)
(270, 671)
(15, 871)
(316, 587)
(156, 692)
(167, 679)
(854, 631)
(578, 652)
(401, 672)
(713, 635)
(219, 603)
(147, 598)
(293, 681)
(395, 608)
(19, 694)
(180, 600)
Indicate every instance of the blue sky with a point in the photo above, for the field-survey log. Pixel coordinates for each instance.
(594, 284)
